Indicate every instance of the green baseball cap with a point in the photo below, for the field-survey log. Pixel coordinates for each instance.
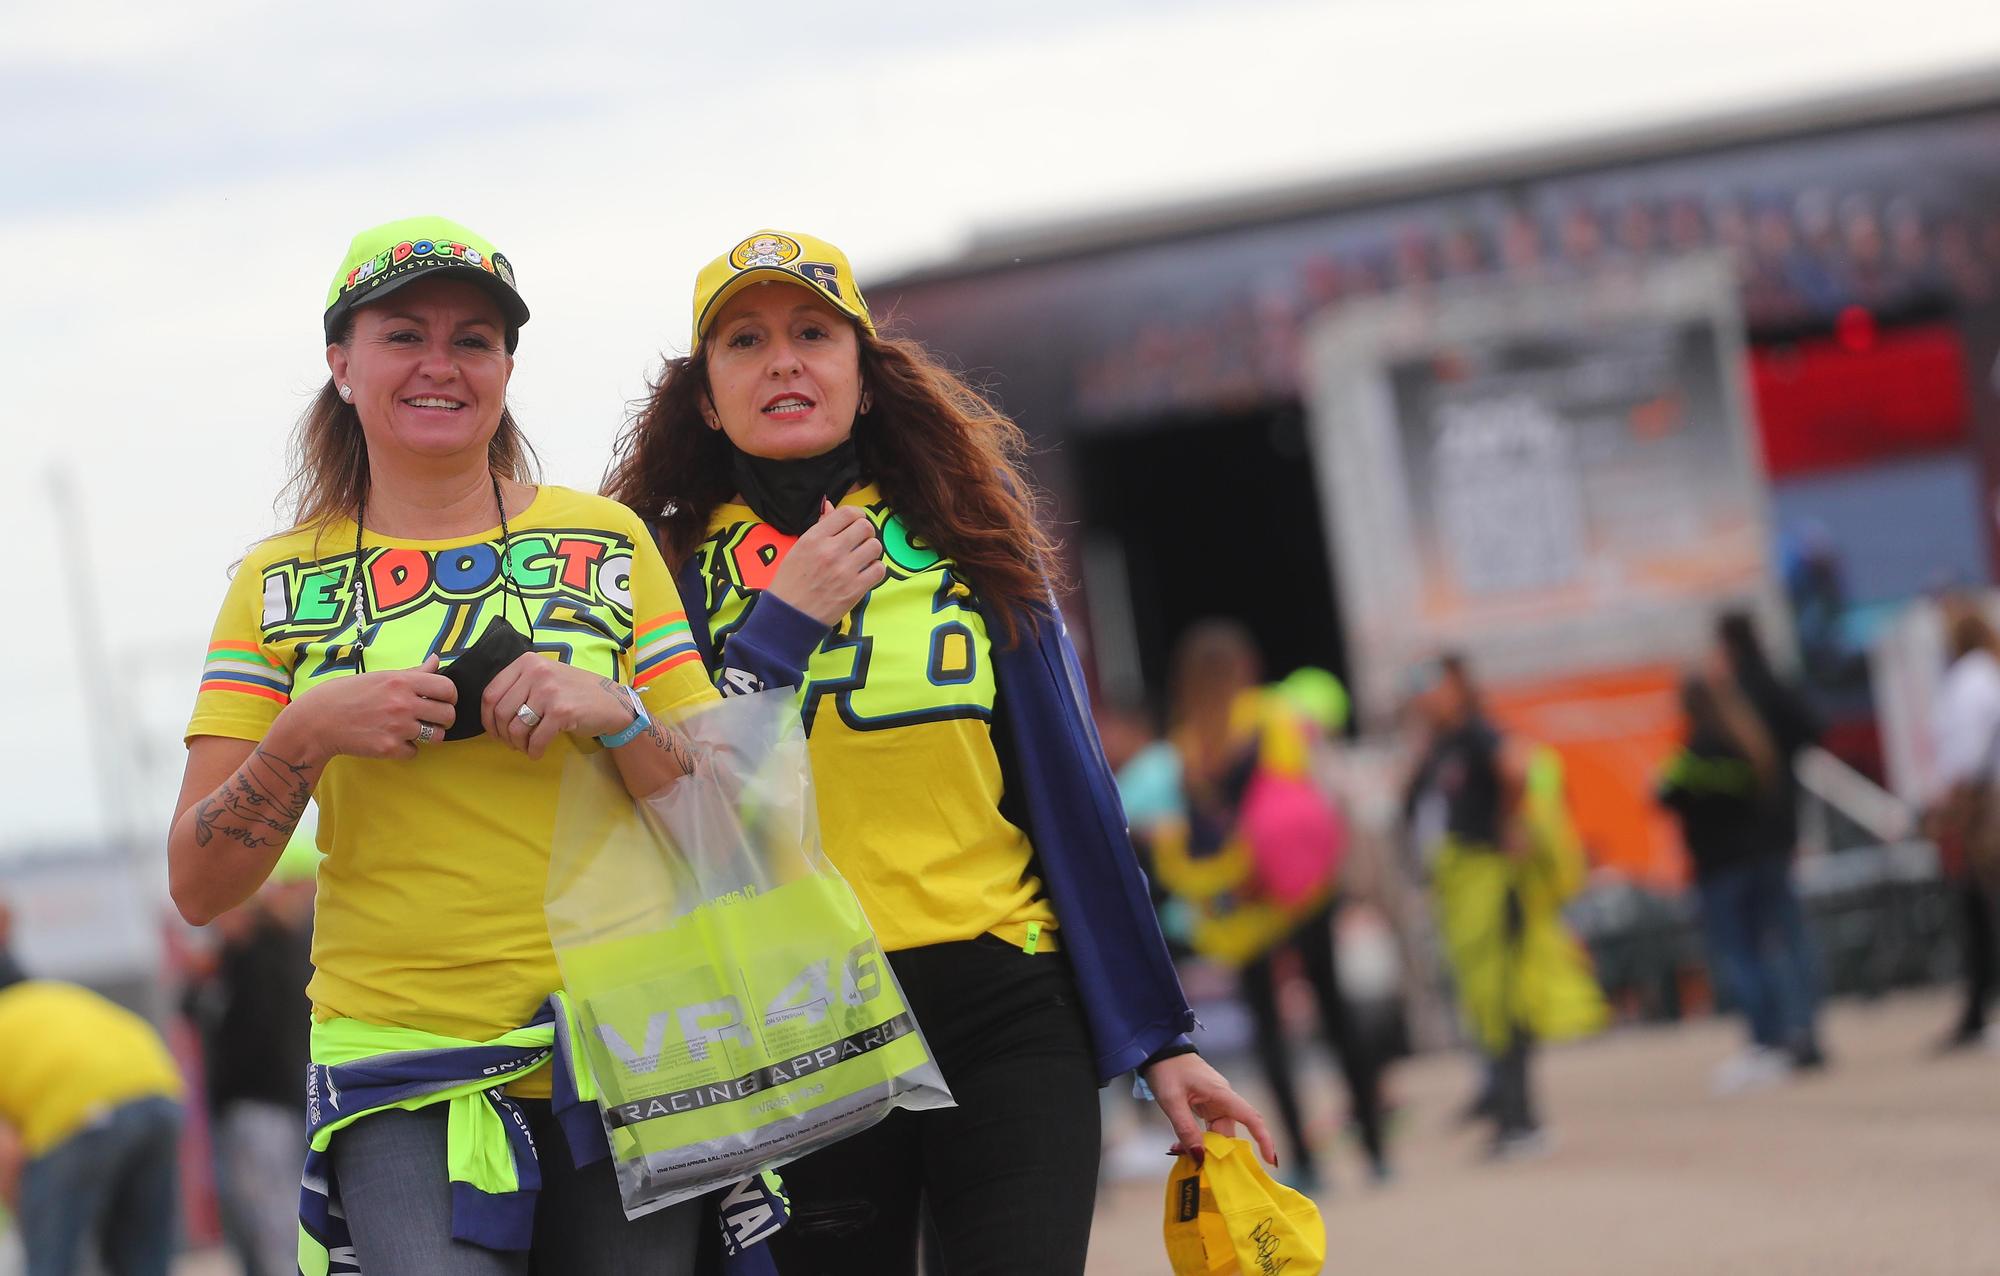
(1318, 694)
(384, 258)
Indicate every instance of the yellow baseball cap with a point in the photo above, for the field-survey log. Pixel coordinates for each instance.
(783, 256)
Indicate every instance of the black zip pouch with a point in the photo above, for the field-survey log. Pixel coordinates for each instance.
(501, 645)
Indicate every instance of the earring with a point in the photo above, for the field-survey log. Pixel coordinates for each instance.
(867, 402)
(347, 394)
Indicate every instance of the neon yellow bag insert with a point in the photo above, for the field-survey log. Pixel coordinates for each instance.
(1230, 1218)
(734, 1007)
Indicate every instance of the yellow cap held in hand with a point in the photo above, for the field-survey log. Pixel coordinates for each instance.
(1227, 1217)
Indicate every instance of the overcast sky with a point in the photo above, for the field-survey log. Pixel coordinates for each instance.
(177, 183)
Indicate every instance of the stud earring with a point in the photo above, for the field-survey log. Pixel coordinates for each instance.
(347, 394)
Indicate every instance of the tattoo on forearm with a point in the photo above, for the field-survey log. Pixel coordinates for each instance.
(677, 746)
(672, 743)
(258, 806)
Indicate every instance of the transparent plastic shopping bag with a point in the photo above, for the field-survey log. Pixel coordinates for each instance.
(733, 1006)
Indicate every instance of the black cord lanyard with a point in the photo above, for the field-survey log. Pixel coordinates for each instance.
(360, 592)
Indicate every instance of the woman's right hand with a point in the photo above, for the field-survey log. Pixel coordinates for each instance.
(833, 566)
(376, 715)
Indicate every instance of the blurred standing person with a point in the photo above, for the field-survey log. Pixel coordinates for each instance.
(1232, 737)
(1508, 860)
(94, 1099)
(1718, 785)
(255, 1021)
(1793, 728)
(1965, 816)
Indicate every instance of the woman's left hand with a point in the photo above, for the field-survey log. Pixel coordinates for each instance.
(1191, 1093)
(562, 697)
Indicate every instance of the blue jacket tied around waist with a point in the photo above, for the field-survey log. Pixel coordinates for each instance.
(494, 1187)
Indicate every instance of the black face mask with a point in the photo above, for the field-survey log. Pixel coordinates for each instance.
(501, 645)
(787, 494)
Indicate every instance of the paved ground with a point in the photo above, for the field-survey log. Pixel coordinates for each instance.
(1890, 1163)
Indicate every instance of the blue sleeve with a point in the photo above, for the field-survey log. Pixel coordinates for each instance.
(769, 649)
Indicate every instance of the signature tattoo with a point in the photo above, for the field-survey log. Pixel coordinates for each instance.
(672, 743)
(258, 806)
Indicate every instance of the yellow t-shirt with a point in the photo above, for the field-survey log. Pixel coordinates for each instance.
(429, 912)
(70, 1057)
(898, 709)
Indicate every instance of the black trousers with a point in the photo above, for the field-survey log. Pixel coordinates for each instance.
(1513, 1094)
(1009, 1176)
(1982, 948)
(1313, 940)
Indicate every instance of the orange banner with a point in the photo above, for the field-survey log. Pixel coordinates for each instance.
(1615, 731)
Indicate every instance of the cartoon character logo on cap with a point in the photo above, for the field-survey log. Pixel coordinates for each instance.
(765, 250)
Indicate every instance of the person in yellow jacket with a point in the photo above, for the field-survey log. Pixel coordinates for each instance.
(91, 1098)
(1230, 736)
(1509, 860)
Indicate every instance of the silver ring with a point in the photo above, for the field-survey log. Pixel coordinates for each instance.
(529, 716)
(426, 733)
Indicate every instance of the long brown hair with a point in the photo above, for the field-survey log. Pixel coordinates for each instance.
(1215, 661)
(329, 475)
(947, 461)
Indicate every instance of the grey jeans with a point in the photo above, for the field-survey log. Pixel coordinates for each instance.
(258, 1150)
(397, 1194)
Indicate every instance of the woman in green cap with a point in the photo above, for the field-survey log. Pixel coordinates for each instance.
(418, 653)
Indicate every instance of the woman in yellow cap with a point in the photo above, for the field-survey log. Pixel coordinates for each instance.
(851, 520)
(418, 653)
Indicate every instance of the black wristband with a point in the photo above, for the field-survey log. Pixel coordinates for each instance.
(1172, 1050)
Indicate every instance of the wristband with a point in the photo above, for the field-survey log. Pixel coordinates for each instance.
(640, 721)
(1172, 1050)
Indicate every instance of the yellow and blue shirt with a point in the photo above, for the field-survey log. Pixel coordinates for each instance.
(429, 913)
(898, 701)
(1057, 788)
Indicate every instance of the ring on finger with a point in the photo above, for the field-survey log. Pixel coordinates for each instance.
(527, 714)
(426, 733)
